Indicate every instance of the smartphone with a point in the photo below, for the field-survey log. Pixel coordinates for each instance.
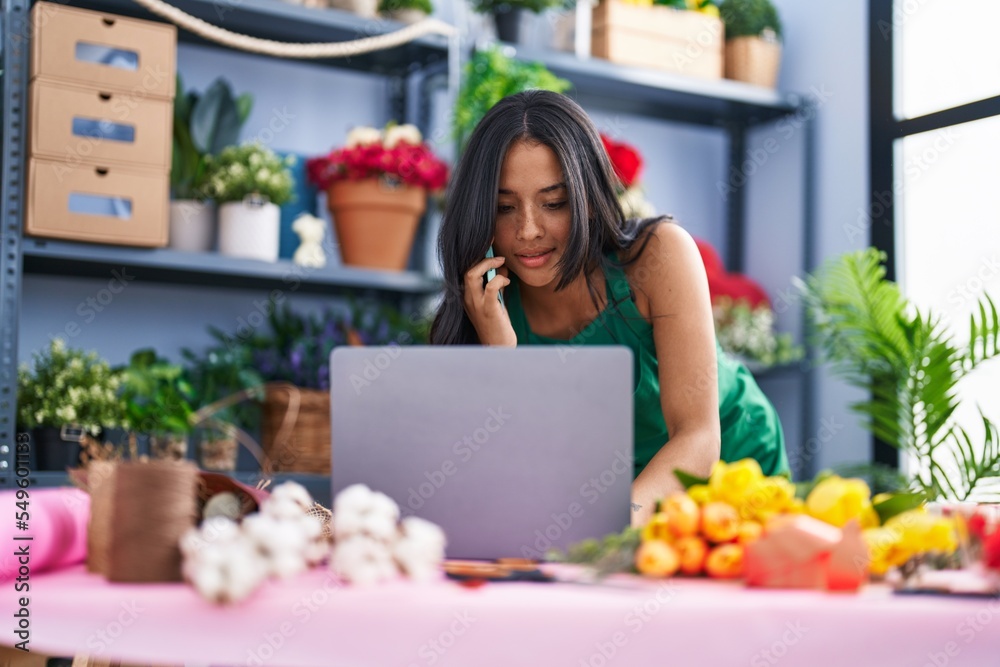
(492, 273)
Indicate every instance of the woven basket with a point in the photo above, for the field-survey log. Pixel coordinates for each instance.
(295, 429)
(753, 60)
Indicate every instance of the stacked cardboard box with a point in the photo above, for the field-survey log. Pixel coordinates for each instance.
(100, 130)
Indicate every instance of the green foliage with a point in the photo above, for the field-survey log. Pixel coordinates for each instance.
(203, 125)
(491, 76)
(219, 372)
(536, 6)
(749, 18)
(613, 553)
(157, 396)
(688, 480)
(68, 387)
(906, 359)
(424, 6)
(250, 169)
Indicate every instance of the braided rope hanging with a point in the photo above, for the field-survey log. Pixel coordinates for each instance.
(296, 50)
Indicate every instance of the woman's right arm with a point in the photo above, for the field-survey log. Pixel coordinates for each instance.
(482, 304)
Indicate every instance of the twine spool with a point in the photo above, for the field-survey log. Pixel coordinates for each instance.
(101, 484)
(154, 504)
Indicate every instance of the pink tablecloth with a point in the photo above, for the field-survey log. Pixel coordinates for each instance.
(311, 621)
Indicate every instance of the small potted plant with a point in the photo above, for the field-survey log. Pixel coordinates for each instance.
(377, 187)
(250, 182)
(203, 125)
(157, 402)
(406, 11)
(64, 394)
(753, 41)
(507, 14)
(218, 373)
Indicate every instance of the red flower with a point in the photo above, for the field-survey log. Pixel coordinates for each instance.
(625, 159)
(991, 550)
(736, 286)
(413, 165)
(977, 525)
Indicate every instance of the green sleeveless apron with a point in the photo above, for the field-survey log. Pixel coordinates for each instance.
(749, 424)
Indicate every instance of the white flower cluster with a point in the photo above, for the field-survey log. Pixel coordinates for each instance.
(635, 204)
(226, 561)
(372, 545)
(367, 136)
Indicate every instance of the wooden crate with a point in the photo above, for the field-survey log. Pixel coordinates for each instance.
(664, 38)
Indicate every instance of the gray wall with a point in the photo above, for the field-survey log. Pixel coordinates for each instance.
(825, 52)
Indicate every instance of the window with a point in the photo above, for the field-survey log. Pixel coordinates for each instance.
(935, 142)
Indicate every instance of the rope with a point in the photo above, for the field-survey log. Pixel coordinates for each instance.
(296, 50)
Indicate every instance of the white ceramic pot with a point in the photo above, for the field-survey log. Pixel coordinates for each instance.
(192, 225)
(249, 230)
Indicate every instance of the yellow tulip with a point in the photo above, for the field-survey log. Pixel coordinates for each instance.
(885, 549)
(700, 493)
(658, 528)
(766, 497)
(920, 532)
(837, 501)
(731, 481)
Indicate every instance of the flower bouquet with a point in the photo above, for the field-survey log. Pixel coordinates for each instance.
(376, 189)
(628, 165)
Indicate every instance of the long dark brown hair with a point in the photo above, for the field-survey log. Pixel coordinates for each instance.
(598, 228)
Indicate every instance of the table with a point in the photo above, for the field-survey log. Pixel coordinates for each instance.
(314, 621)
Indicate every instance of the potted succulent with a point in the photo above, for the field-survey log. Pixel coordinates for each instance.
(64, 394)
(507, 14)
(753, 41)
(491, 76)
(406, 11)
(203, 125)
(377, 188)
(250, 182)
(157, 401)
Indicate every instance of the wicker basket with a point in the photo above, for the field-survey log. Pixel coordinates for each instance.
(295, 429)
(753, 60)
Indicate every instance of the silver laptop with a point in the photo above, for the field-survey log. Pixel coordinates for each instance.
(512, 451)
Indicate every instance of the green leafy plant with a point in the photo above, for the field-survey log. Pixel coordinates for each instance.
(203, 125)
(386, 6)
(250, 169)
(68, 387)
(879, 341)
(222, 371)
(491, 76)
(157, 396)
(749, 18)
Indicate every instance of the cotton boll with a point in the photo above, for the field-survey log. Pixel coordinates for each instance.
(383, 505)
(220, 530)
(287, 564)
(424, 532)
(282, 508)
(358, 510)
(292, 492)
(420, 548)
(354, 498)
(363, 560)
(209, 582)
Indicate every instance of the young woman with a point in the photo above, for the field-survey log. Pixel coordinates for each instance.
(537, 184)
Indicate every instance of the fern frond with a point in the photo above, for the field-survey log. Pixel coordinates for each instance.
(984, 334)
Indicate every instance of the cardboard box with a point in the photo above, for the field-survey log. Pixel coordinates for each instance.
(102, 204)
(664, 38)
(71, 124)
(104, 51)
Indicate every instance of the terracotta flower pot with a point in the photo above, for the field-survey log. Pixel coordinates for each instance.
(376, 221)
(753, 60)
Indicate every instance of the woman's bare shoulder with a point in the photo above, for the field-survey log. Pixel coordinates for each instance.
(653, 264)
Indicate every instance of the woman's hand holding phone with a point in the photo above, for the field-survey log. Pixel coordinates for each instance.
(484, 302)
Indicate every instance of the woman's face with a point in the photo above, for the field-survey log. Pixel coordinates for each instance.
(533, 213)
